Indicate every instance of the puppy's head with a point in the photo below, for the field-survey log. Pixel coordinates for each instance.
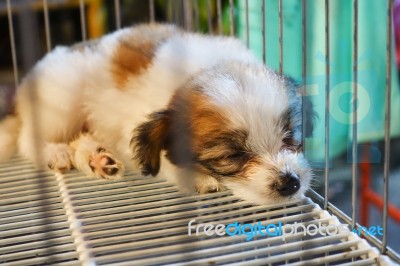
(237, 123)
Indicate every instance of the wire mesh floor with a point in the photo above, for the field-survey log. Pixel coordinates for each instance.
(74, 220)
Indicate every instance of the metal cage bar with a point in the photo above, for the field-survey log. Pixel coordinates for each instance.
(196, 15)
(12, 43)
(247, 23)
(83, 20)
(348, 220)
(152, 11)
(47, 25)
(187, 15)
(219, 16)
(117, 13)
(263, 35)
(304, 66)
(209, 18)
(387, 124)
(280, 36)
(354, 110)
(231, 21)
(327, 104)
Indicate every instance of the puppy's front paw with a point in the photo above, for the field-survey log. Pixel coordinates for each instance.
(208, 185)
(104, 165)
(59, 157)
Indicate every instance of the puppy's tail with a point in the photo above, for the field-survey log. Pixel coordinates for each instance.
(9, 130)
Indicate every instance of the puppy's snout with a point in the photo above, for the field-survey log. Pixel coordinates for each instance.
(289, 184)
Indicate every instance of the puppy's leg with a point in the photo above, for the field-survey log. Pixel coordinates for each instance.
(58, 156)
(207, 184)
(189, 181)
(93, 159)
(44, 153)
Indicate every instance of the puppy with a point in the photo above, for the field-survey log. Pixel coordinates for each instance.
(200, 109)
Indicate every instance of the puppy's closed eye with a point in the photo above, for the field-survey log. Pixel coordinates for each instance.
(237, 156)
(228, 164)
(232, 158)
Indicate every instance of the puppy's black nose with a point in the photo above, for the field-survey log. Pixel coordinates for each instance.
(288, 185)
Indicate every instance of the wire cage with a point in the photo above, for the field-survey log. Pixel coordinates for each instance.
(70, 219)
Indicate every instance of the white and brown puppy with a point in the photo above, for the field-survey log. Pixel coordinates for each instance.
(199, 108)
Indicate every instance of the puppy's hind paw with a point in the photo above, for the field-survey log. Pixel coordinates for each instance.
(104, 165)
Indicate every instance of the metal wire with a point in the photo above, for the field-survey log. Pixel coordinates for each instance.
(152, 11)
(196, 15)
(304, 69)
(327, 104)
(232, 27)
(264, 40)
(280, 38)
(187, 14)
(348, 220)
(122, 227)
(247, 23)
(209, 21)
(117, 9)
(219, 15)
(12, 43)
(386, 164)
(47, 25)
(85, 254)
(354, 124)
(83, 19)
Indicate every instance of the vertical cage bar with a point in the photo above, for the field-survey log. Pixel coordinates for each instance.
(83, 19)
(386, 165)
(47, 25)
(12, 43)
(209, 22)
(174, 8)
(28, 28)
(264, 52)
(196, 15)
(304, 68)
(187, 14)
(219, 15)
(327, 103)
(232, 27)
(354, 128)
(247, 24)
(117, 9)
(280, 38)
(151, 11)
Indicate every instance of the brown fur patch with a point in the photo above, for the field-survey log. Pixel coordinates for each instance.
(135, 51)
(148, 141)
(215, 148)
(196, 135)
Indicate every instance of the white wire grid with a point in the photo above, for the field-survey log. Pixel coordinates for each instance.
(75, 220)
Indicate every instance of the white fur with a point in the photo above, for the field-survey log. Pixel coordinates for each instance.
(68, 87)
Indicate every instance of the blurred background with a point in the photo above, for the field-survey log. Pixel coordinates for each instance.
(261, 34)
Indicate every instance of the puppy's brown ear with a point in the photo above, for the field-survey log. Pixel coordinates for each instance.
(149, 138)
